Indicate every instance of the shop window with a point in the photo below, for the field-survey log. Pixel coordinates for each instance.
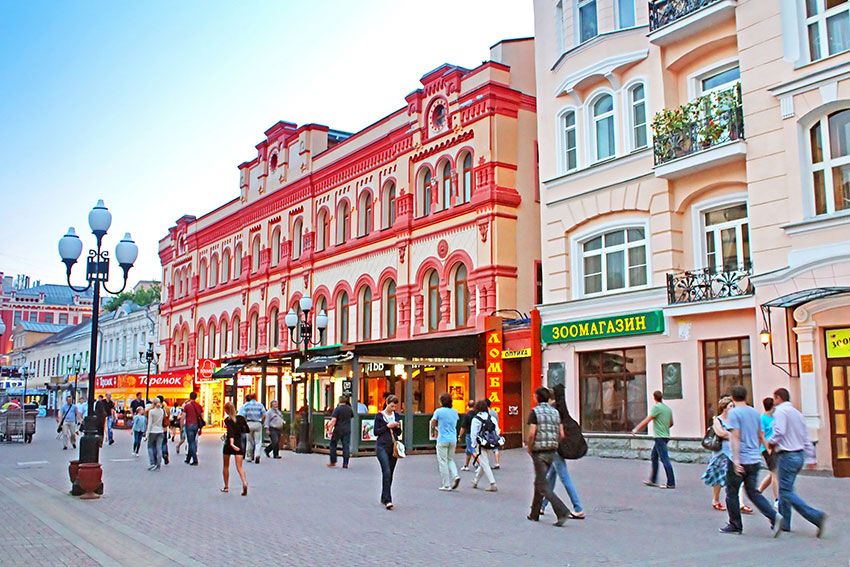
(343, 223)
(603, 127)
(276, 246)
(613, 389)
(364, 214)
(433, 301)
(255, 254)
(725, 363)
(323, 231)
(587, 24)
(466, 177)
(388, 205)
(637, 100)
(342, 319)
(461, 297)
(390, 309)
(446, 182)
(827, 27)
(275, 327)
(568, 140)
(297, 239)
(615, 260)
(727, 238)
(829, 151)
(365, 313)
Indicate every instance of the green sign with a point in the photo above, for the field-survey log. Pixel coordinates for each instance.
(605, 327)
(838, 343)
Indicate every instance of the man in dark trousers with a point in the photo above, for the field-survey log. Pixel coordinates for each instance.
(340, 425)
(101, 411)
(544, 432)
(192, 414)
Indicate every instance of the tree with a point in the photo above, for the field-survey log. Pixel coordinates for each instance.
(142, 297)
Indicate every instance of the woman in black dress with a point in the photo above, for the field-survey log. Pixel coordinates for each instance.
(234, 444)
(387, 424)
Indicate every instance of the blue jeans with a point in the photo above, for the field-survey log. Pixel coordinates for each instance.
(659, 451)
(750, 479)
(346, 451)
(192, 442)
(385, 457)
(788, 465)
(137, 440)
(165, 444)
(155, 448)
(559, 469)
(109, 423)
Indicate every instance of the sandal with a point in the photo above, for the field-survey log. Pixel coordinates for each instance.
(577, 515)
(719, 506)
(225, 489)
(746, 510)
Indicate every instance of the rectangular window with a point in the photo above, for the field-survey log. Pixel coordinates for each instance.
(570, 150)
(626, 13)
(614, 261)
(725, 363)
(559, 27)
(827, 27)
(613, 389)
(48, 318)
(727, 238)
(588, 28)
(720, 80)
(63, 318)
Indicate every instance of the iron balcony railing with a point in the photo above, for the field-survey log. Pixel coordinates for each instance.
(663, 12)
(710, 120)
(693, 286)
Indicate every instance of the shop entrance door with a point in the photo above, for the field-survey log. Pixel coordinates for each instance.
(838, 387)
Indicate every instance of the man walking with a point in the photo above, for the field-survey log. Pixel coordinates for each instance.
(444, 423)
(746, 437)
(137, 403)
(192, 414)
(661, 417)
(253, 412)
(465, 428)
(67, 420)
(791, 444)
(101, 411)
(110, 417)
(340, 426)
(544, 432)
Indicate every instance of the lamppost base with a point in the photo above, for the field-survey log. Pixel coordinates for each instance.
(88, 483)
(304, 437)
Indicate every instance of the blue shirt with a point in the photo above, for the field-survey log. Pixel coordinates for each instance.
(253, 411)
(446, 419)
(767, 427)
(69, 411)
(748, 421)
(139, 422)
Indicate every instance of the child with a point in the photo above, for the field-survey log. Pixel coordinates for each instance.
(139, 427)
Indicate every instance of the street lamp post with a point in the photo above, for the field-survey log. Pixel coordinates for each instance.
(301, 332)
(148, 356)
(97, 274)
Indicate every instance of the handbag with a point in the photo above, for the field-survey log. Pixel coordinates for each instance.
(711, 441)
(399, 450)
(276, 421)
(573, 446)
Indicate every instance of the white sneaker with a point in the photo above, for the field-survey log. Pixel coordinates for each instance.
(492, 488)
(444, 488)
(464, 468)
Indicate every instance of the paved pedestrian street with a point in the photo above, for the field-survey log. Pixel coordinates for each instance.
(300, 512)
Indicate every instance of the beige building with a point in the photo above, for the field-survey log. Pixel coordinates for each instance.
(694, 210)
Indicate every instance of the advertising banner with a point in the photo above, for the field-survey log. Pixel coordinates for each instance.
(604, 327)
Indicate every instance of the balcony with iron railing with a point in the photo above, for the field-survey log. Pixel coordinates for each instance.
(672, 20)
(713, 121)
(709, 284)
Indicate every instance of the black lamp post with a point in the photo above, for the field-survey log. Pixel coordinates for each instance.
(148, 356)
(301, 332)
(25, 371)
(97, 274)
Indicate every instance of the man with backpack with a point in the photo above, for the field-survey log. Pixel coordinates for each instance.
(484, 432)
(544, 433)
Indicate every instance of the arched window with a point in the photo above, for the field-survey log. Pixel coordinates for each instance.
(467, 177)
(274, 327)
(273, 162)
(225, 338)
(637, 102)
(276, 246)
(614, 260)
(178, 283)
(323, 230)
(829, 151)
(202, 275)
(255, 332)
(433, 301)
(255, 253)
(237, 334)
(447, 184)
(388, 205)
(390, 308)
(237, 260)
(342, 319)
(213, 342)
(568, 140)
(343, 223)
(321, 305)
(225, 266)
(364, 214)
(461, 297)
(424, 193)
(297, 239)
(202, 343)
(214, 271)
(366, 314)
(603, 126)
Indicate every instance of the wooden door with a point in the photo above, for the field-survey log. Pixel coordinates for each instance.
(838, 386)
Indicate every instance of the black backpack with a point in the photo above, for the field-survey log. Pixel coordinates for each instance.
(487, 437)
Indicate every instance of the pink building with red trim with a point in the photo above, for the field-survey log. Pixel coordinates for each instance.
(406, 234)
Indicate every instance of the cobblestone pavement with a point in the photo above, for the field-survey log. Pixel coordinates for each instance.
(300, 512)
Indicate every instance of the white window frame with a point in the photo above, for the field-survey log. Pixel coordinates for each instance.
(629, 105)
(698, 211)
(559, 27)
(592, 120)
(577, 256)
(826, 165)
(620, 25)
(562, 139)
(579, 5)
(820, 19)
(695, 80)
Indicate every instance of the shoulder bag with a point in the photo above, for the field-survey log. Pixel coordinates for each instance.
(710, 440)
(399, 450)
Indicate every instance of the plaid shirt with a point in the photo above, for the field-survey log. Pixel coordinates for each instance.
(253, 411)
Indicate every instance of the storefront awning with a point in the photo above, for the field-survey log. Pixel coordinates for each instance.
(321, 363)
(798, 298)
(458, 347)
(229, 370)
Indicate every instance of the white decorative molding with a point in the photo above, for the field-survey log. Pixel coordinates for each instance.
(829, 92)
(604, 68)
(786, 106)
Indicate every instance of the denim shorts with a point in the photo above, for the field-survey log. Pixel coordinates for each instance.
(468, 443)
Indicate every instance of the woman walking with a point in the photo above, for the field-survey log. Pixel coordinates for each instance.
(155, 432)
(234, 445)
(482, 423)
(559, 464)
(139, 427)
(715, 473)
(387, 424)
(769, 458)
(274, 423)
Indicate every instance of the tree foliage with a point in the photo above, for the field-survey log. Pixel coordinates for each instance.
(142, 296)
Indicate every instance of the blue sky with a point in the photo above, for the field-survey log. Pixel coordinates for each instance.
(152, 105)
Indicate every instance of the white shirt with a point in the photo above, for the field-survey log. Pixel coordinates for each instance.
(789, 429)
(475, 426)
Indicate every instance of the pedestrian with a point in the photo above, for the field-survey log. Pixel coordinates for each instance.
(362, 408)
(559, 465)
(101, 411)
(253, 412)
(165, 425)
(715, 473)
(544, 432)
(769, 458)
(67, 420)
(465, 427)
(444, 424)
(139, 428)
(744, 425)
(174, 424)
(484, 432)
(137, 403)
(661, 417)
(234, 445)
(791, 444)
(274, 422)
(155, 432)
(111, 416)
(387, 424)
(497, 452)
(82, 412)
(192, 418)
(340, 426)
